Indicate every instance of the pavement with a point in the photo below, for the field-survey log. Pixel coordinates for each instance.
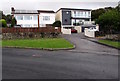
(88, 60)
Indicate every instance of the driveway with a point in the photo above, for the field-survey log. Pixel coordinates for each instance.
(87, 61)
(84, 45)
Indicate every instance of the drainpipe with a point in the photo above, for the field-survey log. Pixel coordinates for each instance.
(38, 22)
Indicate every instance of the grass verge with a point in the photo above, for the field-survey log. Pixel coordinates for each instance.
(110, 43)
(54, 43)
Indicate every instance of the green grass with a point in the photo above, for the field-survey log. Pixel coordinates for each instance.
(111, 43)
(38, 43)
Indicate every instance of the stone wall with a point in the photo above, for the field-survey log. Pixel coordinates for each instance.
(27, 35)
(113, 37)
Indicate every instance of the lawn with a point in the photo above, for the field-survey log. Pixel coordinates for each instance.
(38, 43)
(111, 43)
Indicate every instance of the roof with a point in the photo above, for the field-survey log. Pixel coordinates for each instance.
(74, 9)
(45, 11)
(25, 12)
(14, 11)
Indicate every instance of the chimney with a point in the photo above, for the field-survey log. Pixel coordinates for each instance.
(12, 12)
(12, 9)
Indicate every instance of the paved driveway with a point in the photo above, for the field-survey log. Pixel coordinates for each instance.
(64, 64)
(84, 45)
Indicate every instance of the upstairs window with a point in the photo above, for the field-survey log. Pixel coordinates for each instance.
(35, 17)
(27, 18)
(19, 17)
(46, 18)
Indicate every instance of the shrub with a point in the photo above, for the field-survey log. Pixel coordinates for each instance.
(3, 23)
(57, 24)
(13, 23)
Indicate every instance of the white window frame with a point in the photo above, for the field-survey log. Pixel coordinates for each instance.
(46, 18)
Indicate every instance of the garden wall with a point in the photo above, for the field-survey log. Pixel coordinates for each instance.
(23, 33)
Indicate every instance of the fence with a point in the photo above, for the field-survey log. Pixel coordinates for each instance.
(40, 30)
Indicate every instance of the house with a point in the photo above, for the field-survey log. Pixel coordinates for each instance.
(34, 18)
(70, 17)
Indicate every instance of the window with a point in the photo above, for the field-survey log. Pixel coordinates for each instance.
(27, 25)
(35, 17)
(75, 13)
(35, 25)
(67, 12)
(78, 14)
(27, 18)
(19, 17)
(46, 18)
(81, 13)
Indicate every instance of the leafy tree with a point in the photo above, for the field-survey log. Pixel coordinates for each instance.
(57, 24)
(13, 22)
(109, 22)
(96, 13)
(9, 19)
(3, 23)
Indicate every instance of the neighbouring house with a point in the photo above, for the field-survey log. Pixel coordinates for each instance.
(74, 18)
(71, 17)
(34, 18)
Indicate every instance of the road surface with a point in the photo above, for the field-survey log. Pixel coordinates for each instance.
(87, 61)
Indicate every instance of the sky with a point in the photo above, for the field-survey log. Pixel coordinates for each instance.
(5, 5)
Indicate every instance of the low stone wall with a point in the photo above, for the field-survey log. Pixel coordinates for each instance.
(113, 37)
(27, 35)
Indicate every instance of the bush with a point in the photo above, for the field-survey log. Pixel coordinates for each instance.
(57, 24)
(3, 23)
(13, 23)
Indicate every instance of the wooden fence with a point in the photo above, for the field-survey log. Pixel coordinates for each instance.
(41, 29)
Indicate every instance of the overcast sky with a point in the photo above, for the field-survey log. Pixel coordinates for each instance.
(5, 5)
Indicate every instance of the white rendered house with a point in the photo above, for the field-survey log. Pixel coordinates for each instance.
(34, 18)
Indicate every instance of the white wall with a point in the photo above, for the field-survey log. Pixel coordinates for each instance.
(78, 28)
(89, 33)
(58, 16)
(24, 22)
(65, 31)
(44, 22)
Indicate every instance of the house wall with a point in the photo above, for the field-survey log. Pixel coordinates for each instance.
(58, 16)
(32, 22)
(66, 17)
(42, 20)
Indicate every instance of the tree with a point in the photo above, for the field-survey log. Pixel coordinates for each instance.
(13, 22)
(3, 23)
(9, 19)
(96, 13)
(109, 22)
(57, 24)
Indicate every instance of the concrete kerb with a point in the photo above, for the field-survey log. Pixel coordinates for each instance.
(48, 49)
(102, 44)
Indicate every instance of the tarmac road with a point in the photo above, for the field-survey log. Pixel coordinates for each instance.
(88, 61)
